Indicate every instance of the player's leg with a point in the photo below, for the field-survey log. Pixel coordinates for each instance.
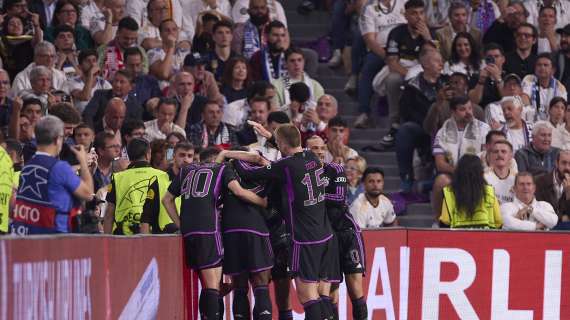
(308, 295)
(334, 298)
(354, 265)
(356, 294)
(326, 301)
(281, 290)
(262, 308)
(209, 304)
(240, 303)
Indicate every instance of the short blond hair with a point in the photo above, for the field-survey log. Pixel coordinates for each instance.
(289, 134)
(360, 163)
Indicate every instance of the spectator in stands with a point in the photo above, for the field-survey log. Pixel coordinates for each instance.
(316, 119)
(67, 13)
(25, 115)
(158, 151)
(259, 113)
(541, 86)
(439, 112)
(517, 130)
(189, 105)
(5, 101)
(235, 79)
(372, 209)
(337, 150)
(44, 55)
(222, 52)
(554, 187)
(299, 96)
(20, 8)
(469, 202)
(103, 20)
(461, 134)
(113, 117)
(111, 55)
(205, 84)
(547, 38)
(17, 48)
(122, 85)
(108, 148)
(174, 138)
(236, 113)
(40, 78)
(522, 59)
(503, 30)
(249, 36)
(535, 7)
(490, 83)
(525, 212)
(418, 95)
(203, 41)
(556, 112)
(295, 62)
(84, 135)
(221, 8)
(458, 23)
(512, 86)
(465, 58)
(212, 132)
(561, 134)
(562, 57)
(268, 63)
(500, 175)
(64, 41)
(131, 129)
(539, 156)
(240, 12)
(168, 58)
(354, 169)
(83, 85)
(376, 22)
(343, 26)
(146, 87)
(267, 146)
(164, 122)
(183, 155)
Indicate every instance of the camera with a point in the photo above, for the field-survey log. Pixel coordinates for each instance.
(490, 60)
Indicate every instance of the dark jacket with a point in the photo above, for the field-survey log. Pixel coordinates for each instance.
(417, 98)
(528, 159)
(560, 64)
(545, 192)
(96, 107)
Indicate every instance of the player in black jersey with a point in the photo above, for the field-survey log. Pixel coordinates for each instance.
(201, 186)
(351, 246)
(248, 255)
(302, 177)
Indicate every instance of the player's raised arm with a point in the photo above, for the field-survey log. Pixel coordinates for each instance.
(246, 195)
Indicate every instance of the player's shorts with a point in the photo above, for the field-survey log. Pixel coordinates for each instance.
(246, 252)
(314, 262)
(281, 263)
(351, 252)
(203, 251)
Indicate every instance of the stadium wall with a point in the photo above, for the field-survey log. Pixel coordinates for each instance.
(412, 274)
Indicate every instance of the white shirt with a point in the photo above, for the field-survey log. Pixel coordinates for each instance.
(367, 216)
(516, 138)
(557, 89)
(158, 54)
(276, 12)
(562, 12)
(92, 18)
(76, 83)
(236, 113)
(49, 10)
(22, 80)
(137, 10)
(503, 187)
(542, 212)
(195, 7)
(374, 19)
(152, 131)
(561, 138)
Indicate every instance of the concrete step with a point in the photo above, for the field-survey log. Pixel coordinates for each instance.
(368, 134)
(293, 18)
(380, 159)
(371, 141)
(332, 82)
(420, 209)
(309, 29)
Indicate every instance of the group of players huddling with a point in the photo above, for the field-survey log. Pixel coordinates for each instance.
(259, 221)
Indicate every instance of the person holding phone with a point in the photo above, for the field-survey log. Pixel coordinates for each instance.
(490, 83)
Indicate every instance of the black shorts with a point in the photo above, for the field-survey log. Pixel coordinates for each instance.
(203, 251)
(313, 262)
(281, 263)
(246, 252)
(351, 252)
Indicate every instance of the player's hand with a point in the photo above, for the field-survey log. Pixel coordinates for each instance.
(259, 129)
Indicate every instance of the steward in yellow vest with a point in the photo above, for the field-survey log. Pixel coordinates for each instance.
(486, 216)
(129, 191)
(6, 188)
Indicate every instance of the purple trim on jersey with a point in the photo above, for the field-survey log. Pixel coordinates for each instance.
(313, 242)
(349, 216)
(248, 166)
(206, 266)
(247, 230)
(336, 166)
(311, 302)
(199, 233)
(361, 249)
(216, 209)
(257, 189)
(290, 199)
(295, 260)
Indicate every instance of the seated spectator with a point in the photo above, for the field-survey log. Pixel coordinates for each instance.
(554, 187)
(525, 213)
(205, 84)
(83, 85)
(167, 59)
(500, 174)
(541, 86)
(522, 59)
(65, 50)
(158, 150)
(535, 7)
(17, 48)
(315, 120)
(517, 130)
(67, 13)
(5, 102)
(44, 55)
(203, 41)
(103, 19)
(240, 12)
(354, 169)
(189, 105)
(40, 78)
(25, 115)
(236, 113)
(131, 129)
(372, 209)
(490, 83)
(458, 19)
(212, 132)
(122, 86)
(562, 56)
(222, 52)
(417, 97)
(248, 37)
(221, 8)
(146, 88)
(235, 79)
(547, 38)
(299, 96)
(539, 157)
(113, 117)
(503, 30)
(84, 135)
(111, 55)
(337, 150)
(31, 22)
(164, 122)
(561, 134)
(259, 113)
(556, 111)
(459, 135)
(268, 63)
(439, 112)
(469, 202)
(512, 86)
(465, 58)
(108, 148)
(295, 63)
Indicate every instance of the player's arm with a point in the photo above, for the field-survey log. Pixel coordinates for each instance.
(246, 195)
(170, 206)
(252, 157)
(336, 190)
(151, 209)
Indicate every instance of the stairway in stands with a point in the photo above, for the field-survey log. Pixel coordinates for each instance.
(317, 24)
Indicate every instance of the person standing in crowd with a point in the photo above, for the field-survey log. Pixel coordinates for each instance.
(500, 175)
(83, 86)
(204, 82)
(490, 83)
(372, 209)
(49, 185)
(525, 212)
(108, 148)
(562, 56)
(268, 63)
(539, 156)
(7, 186)
(167, 59)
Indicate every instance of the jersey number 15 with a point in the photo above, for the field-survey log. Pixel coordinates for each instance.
(319, 182)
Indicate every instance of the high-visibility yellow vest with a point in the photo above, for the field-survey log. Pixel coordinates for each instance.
(131, 189)
(483, 217)
(6, 188)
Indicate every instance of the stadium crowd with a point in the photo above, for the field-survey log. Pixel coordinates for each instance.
(117, 115)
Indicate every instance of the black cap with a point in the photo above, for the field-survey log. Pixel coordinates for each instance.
(195, 58)
(512, 76)
(565, 30)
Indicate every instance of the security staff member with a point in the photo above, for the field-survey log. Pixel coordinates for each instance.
(6, 188)
(129, 190)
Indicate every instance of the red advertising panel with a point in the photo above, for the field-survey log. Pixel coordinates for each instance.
(91, 277)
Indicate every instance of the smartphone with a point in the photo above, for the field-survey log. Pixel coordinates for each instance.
(169, 154)
(490, 60)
